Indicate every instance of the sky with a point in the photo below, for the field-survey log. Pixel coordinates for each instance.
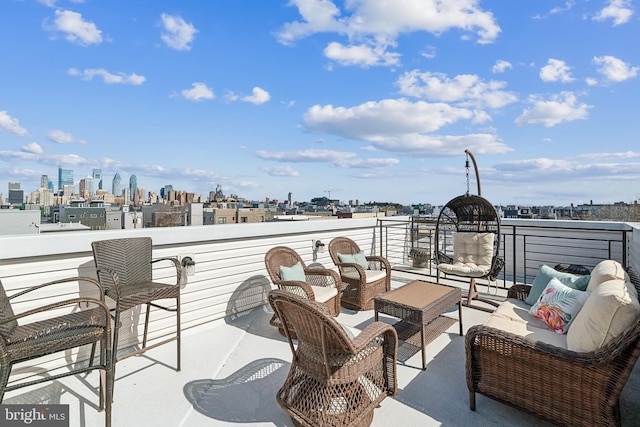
(368, 100)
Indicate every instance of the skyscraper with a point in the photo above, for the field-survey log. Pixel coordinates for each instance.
(44, 181)
(115, 184)
(65, 178)
(133, 186)
(97, 179)
(16, 195)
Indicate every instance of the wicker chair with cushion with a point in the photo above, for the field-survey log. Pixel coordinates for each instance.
(289, 273)
(53, 330)
(363, 276)
(573, 379)
(124, 268)
(338, 374)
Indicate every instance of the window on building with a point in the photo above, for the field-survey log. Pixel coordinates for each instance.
(222, 220)
(72, 217)
(93, 216)
(244, 219)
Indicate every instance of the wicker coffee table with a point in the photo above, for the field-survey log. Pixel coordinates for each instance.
(420, 306)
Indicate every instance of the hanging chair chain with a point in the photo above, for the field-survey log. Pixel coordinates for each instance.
(466, 165)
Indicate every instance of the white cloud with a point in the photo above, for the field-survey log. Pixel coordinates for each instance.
(336, 158)
(556, 71)
(591, 81)
(501, 66)
(619, 11)
(34, 148)
(555, 170)
(286, 171)
(362, 55)
(61, 137)
(559, 108)
(11, 124)
(372, 26)
(305, 155)
(231, 96)
(198, 92)
(258, 96)
(616, 155)
(76, 29)
(614, 69)
(464, 89)
(48, 3)
(398, 125)
(567, 6)
(107, 77)
(372, 120)
(178, 34)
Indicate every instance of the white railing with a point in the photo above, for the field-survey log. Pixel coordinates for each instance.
(230, 275)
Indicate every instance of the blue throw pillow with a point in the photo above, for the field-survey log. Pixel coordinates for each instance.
(546, 273)
(295, 272)
(358, 258)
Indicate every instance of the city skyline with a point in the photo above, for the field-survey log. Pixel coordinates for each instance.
(312, 97)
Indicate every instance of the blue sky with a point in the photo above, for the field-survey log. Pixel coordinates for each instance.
(373, 100)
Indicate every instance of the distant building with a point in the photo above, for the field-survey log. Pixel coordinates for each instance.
(164, 192)
(97, 179)
(44, 181)
(16, 195)
(133, 186)
(65, 179)
(116, 185)
(92, 215)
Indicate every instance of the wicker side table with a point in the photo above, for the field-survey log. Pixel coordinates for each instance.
(420, 307)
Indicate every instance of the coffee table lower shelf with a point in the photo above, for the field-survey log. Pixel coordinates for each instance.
(409, 333)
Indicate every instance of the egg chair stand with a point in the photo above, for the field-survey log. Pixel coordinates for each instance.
(468, 228)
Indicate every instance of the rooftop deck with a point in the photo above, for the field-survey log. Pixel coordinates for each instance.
(233, 361)
(233, 368)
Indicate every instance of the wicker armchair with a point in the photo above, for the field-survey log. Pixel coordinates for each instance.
(334, 380)
(87, 323)
(124, 268)
(320, 284)
(359, 284)
(559, 385)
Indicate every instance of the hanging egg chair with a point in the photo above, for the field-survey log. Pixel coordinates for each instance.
(467, 239)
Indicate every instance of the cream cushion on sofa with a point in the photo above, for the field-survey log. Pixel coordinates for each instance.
(607, 269)
(472, 254)
(610, 309)
(513, 316)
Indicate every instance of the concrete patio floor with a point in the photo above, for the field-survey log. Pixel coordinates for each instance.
(232, 370)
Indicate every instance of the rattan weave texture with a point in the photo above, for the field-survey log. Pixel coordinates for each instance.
(334, 380)
(561, 386)
(88, 323)
(125, 270)
(357, 294)
(284, 256)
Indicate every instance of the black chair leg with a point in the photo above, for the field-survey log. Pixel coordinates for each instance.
(178, 334)
(146, 326)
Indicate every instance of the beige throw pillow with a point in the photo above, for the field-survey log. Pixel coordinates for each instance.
(604, 271)
(610, 309)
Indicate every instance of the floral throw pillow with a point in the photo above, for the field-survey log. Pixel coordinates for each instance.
(558, 305)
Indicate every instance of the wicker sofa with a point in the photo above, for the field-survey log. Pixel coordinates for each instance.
(516, 359)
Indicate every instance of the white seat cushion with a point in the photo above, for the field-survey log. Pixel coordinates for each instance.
(324, 293)
(534, 330)
(467, 270)
(472, 255)
(371, 275)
